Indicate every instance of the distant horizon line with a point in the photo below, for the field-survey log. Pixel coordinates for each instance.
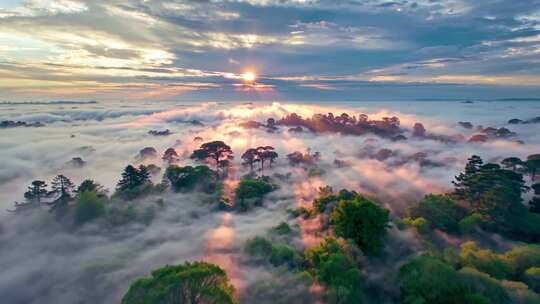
(81, 102)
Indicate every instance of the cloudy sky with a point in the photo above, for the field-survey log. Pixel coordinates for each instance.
(298, 49)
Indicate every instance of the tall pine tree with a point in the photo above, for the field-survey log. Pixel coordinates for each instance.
(133, 178)
(62, 191)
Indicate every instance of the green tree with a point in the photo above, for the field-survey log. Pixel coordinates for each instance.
(462, 180)
(481, 284)
(189, 178)
(143, 175)
(252, 189)
(491, 191)
(440, 211)
(426, 279)
(362, 221)
(36, 191)
(190, 283)
(134, 182)
(332, 264)
(62, 189)
(130, 179)
(284, 255)
(258, 247)
(512, 163)
(89, 206)
(92, 186)
(328, 197)
(532, 165)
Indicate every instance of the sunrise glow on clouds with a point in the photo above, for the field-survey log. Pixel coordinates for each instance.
(298, 50)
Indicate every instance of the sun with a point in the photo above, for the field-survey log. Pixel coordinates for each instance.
(249, 76)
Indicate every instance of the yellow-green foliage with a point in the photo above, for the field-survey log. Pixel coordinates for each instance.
(420, 223)
(510, 265)
(425, 279)
(484, 260)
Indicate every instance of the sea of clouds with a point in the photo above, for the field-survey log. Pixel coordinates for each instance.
(41, 262)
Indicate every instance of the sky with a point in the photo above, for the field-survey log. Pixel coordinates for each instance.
(309, 50)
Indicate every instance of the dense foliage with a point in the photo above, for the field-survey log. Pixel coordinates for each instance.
(362, 221)
(332, 264)
(251, 191)
(440, 211)
(190, 178)
(275, 254)
(134, 182)
(89, 206)
(427, 280)
(328, 197)
(347, 228)
(496, 195)
(190, 283)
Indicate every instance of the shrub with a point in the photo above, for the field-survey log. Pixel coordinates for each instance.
(258, 246)
(283, 255)
(282, 229)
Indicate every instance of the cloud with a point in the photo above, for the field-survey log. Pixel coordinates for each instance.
(109, 135)
(104, 48)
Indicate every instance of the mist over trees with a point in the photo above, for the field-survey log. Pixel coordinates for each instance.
(343, 213)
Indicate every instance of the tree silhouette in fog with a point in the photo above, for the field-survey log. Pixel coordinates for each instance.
(217, 151)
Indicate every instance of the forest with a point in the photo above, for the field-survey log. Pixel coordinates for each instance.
(346, 234)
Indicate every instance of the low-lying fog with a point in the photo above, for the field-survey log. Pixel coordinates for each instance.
(42, 262)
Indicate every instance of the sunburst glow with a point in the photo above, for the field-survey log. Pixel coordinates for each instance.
(249, 76)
